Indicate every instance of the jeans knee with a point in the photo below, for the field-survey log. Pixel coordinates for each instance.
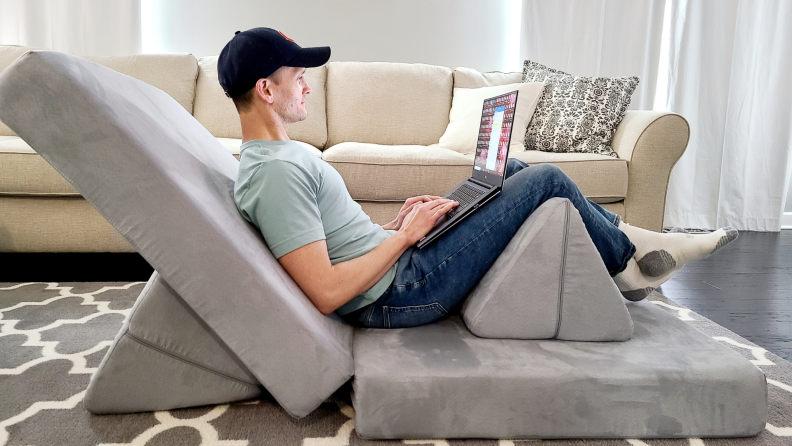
(551, 172)
(554, 179)
(513, 166)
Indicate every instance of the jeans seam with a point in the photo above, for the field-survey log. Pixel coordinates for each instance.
(369, 313)
(386, 310)
(422, 306)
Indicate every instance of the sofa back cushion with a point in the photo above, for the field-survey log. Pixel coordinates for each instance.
(217, 112)
(470, 78)
(387, 103)
(173, 73)
(8, 54)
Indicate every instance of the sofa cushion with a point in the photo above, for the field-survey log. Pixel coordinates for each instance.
(387, 103)
(601, 178)
(8, 54)
(24, 172)
(394, 173)
(55, 224)
(217, 113)
(173, 73)
(470, 78)
(166, 184)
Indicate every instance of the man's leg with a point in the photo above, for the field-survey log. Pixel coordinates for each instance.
(514, 165)
(432, 281)
(659, 256)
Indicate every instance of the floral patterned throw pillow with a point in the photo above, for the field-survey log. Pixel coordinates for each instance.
(576, 114)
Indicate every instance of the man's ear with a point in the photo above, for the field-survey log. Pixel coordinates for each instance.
(264, 90)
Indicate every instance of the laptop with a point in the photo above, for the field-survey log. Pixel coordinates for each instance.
(489, 165)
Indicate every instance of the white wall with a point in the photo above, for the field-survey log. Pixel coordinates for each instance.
(471, 33)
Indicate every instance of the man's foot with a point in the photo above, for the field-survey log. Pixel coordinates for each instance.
(635, 285)
(658, 254)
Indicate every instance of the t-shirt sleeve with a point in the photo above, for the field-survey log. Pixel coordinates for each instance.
(282, 203)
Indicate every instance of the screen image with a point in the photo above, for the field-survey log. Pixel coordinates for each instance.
(494, 133)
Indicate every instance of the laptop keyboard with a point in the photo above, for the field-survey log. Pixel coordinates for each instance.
(465, 195)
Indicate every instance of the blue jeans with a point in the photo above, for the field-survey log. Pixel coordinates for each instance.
(432, 282)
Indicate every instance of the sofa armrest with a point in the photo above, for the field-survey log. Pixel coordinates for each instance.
(651, 142)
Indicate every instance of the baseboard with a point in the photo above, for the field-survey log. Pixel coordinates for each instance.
(786, 220)
(74, 267)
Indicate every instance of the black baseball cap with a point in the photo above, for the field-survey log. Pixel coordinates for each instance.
(259, 52)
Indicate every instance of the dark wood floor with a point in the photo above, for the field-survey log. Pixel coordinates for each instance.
(746, 287)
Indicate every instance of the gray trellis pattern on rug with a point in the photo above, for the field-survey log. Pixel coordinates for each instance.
(576, 114)
(53, 336)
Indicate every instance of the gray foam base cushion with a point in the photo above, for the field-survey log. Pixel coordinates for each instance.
(549, 283)
(441, 381)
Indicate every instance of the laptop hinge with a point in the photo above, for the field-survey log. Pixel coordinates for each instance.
(480, 183)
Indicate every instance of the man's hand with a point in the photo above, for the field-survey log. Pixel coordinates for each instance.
(423, 216)
(406, 208)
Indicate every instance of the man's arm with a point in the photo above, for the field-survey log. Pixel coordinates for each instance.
(331, 286)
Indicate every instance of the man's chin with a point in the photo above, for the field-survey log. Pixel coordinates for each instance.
(297, 118)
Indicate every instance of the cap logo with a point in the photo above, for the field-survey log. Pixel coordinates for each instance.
(285, 37)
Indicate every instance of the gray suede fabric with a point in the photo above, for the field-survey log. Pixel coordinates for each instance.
(166, 184)
(549, 283)
(441, 381)
(165, 345)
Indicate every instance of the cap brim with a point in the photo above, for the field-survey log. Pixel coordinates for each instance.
(310, 57)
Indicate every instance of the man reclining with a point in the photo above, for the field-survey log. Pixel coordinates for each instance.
(371, 275)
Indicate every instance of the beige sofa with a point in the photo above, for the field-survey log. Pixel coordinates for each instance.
(378, 124)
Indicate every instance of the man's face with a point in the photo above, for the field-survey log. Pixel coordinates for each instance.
(289, 94)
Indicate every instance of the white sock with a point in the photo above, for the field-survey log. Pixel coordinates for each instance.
(658, 253)
(635, 285)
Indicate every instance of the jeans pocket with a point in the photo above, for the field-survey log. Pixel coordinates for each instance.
(413, 315)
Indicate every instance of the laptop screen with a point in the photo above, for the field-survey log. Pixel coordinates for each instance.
(494, 137)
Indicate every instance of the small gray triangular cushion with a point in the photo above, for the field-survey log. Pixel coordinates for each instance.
(549, 283)
(166, 357)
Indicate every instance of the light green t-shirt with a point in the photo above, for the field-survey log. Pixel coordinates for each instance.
(295, 198)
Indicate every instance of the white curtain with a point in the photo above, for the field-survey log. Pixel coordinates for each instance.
(608, 38)
(80, 27)
(729, 69)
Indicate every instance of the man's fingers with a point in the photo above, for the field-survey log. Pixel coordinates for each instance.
(444, 208)
(434, 204)
(425, 198)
